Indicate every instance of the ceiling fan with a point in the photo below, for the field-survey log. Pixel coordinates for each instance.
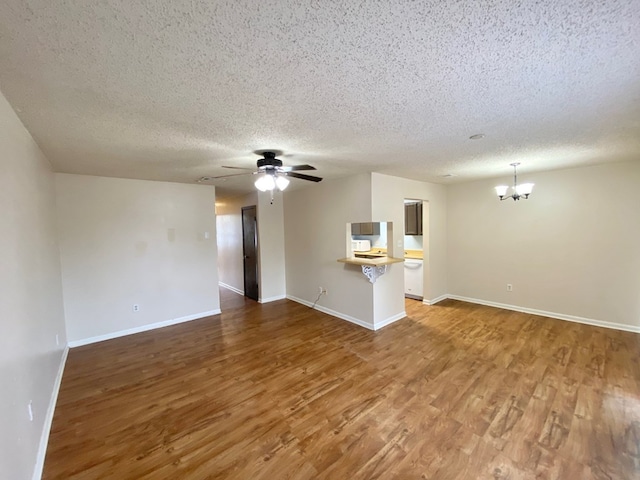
(272, 173)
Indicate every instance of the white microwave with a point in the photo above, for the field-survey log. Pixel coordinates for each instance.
(360, 245)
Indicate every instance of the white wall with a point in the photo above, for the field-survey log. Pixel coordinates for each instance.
(125, 242)
(271, 247)
(315, 221)
(572, 248)
(30, 298)
(388, 194)
(229, 231)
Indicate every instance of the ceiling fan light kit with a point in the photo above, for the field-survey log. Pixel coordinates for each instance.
(519, 191)
(269, 181)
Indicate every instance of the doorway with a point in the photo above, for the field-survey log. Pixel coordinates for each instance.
(250, 251)
(416, 228)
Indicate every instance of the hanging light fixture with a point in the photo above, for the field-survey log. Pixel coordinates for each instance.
(269, 181)
(519, 191)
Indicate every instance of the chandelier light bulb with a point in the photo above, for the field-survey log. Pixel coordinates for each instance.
(501, 190)
(524, 189)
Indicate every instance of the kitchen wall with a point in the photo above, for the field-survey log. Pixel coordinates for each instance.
(376, 240)
(315, 236)
(126, 242)
(388, 194)
(571, 249)
(31, 310)
(229, 233)
(413, 242)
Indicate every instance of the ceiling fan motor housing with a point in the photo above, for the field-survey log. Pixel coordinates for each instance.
(269, 160)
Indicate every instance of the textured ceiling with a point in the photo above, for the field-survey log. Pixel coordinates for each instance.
(172, 90)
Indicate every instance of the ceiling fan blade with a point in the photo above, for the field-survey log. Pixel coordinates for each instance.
(231, 175)
(302, 176)
(237, 168)
(294, 168)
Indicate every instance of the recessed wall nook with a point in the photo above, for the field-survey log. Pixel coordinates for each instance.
(366, 246)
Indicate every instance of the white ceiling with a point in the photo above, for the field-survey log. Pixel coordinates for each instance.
(172, 90)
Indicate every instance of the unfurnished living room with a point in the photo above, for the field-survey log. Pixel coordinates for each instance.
(320, 239)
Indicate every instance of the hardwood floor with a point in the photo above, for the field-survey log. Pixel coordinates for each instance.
(279, 391)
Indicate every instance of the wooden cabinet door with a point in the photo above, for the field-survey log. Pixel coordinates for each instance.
(413, 219)
(367, 228)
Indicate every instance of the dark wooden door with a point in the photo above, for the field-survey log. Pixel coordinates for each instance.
(250, 251)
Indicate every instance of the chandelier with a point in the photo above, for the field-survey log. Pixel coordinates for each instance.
(523, 190)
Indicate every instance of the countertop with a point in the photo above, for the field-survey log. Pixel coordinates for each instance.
(382, 252)
(379, 261)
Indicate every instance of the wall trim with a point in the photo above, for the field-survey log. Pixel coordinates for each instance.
(142, 328)
(390, 320)
(271, 299)
(544, 313)
(229, 287)
(48, 419)
(435, 300)
(333, 313)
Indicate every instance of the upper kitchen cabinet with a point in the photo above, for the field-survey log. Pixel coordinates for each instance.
(367, 228)
(413, 218)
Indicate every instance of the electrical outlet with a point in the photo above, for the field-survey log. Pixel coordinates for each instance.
(136, 307)
(509, 287)
(320, 289)
(57, 339)
(30, 408)
(324, 291)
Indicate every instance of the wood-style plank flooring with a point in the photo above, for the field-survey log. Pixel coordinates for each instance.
(280, 391)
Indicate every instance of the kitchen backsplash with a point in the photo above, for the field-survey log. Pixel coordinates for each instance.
(413, 242)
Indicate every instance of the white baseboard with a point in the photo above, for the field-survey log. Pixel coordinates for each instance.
(271, 299)
(435, 300)
(233, 289)
(142, 328)
(390, 320)
(333, 313)
(544, 313)
(349, 318)
(48, 419)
